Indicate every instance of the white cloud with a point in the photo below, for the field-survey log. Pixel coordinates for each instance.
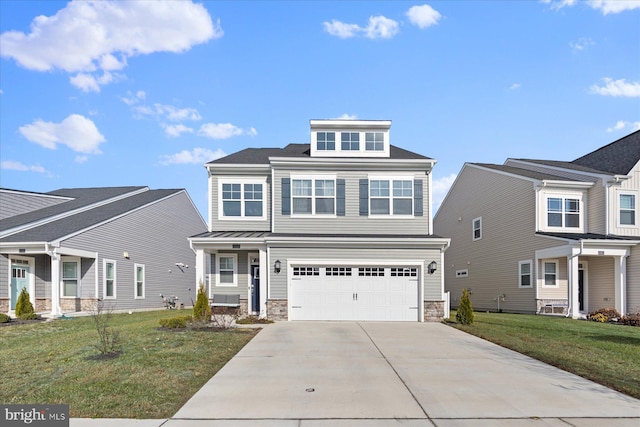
(515, 86)
(378, 27)
(440, 188)
(614, 6)
(176, 130)
(132, 99)
(195, 156)
(76, 132)
(604, 6)
(423, 16)
(167, 112)
(617, 88)
(21, 167)
(224, 131)
(621, 125)
(581, 44)
(87, 38)
(346, 116)
(341, 29)
(81, 159)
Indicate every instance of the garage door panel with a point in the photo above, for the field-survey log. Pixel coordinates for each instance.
(354, 293)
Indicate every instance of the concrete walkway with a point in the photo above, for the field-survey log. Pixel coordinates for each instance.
(390, 374)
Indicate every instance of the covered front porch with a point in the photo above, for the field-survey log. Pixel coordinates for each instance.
(583, 275)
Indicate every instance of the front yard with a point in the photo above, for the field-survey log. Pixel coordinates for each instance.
(608, 354)
(156, 373)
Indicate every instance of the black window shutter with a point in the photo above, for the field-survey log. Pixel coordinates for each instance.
(286, 196)
(340, 197)
(417, 198)
(364, 197)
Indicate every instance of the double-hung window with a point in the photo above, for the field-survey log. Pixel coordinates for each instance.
(313, 196)
(563, 212)
(70, 278)
(350, 141)
(524, 274)
(326, 141)
(391, 197)
(227, 267)
(139, 281)
(109, 273)
(627, 209)
(242, 199)
(477, 228)
(551, 273)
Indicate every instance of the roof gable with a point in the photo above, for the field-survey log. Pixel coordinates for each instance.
(617, 158)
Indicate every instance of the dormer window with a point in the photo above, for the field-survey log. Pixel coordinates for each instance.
(326, 141)
(350, 141)
(374, 141)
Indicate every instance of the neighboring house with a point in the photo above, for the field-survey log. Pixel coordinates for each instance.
(338, 229)
(543, 236)
(69, 247)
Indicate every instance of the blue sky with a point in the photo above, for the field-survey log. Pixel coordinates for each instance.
(144, 93)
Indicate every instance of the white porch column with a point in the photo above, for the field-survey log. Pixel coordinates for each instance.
(55, 284)
(201, 270)
(572, 270)
(264, 278)
(620, 284)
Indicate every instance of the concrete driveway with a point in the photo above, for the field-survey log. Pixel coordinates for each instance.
(405, 374)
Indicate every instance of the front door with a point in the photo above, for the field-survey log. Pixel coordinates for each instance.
(581, 287)
(19, 281)
(255, 288)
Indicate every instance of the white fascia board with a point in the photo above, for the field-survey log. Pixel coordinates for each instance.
(405, 242)
(350, 124)
(241, 167)
(76, 252)
(602, 176)
(66, 214)
(552, 183)
(217, 243)
(373, 163)
(23, 248)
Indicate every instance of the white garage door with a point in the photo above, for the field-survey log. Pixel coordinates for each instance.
(354, 293)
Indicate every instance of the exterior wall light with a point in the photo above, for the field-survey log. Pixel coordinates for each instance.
(277, 266)
(432, 267)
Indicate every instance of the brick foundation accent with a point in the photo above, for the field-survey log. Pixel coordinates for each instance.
(42, 304)
(76, 304)
(433, 311)
(277, 309)
(4, 305)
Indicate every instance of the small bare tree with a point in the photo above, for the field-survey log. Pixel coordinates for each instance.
(108, 338)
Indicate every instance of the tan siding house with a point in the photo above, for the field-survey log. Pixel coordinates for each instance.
(546, 236)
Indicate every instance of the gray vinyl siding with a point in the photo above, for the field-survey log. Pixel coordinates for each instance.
(243, 275)
(278, 281)
(43, 276)
(596, 210)
(600, 282)
(561, 291)
(633, 281)
(154, 236)
(352, 222)
(4, 276)
(507, 207)
(240, 224)
(16, 203)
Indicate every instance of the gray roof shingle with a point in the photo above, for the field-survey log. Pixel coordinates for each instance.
(617, 158)
(527, 173)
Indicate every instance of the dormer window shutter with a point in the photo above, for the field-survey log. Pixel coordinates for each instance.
(364, 197)
(340, 197)
(286, 196)
(417, 198)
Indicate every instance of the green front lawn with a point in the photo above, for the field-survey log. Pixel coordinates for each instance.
(605, 353)
(156, 373)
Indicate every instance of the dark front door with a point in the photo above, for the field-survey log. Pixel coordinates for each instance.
(255, 288)
(581, 289)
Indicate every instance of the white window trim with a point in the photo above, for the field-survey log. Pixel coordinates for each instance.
(78, 269)
(135, 281)
(338, 152)
(242, 181)
(618, 208)
(104, 278)
(313, 179)
(392, 178)
(219, 256)
(530, 262)
(544, 217)
(473, 229)
(544, 274)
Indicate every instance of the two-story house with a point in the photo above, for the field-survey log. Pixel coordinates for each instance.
(337, 229)
(72, 246)
(543, 236)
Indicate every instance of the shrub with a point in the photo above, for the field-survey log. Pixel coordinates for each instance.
(108, 338)
(465, 309)
(609, 314)
(4, 318)
(202, 309)
(631, 319)
(177, 322)
(24, 308)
